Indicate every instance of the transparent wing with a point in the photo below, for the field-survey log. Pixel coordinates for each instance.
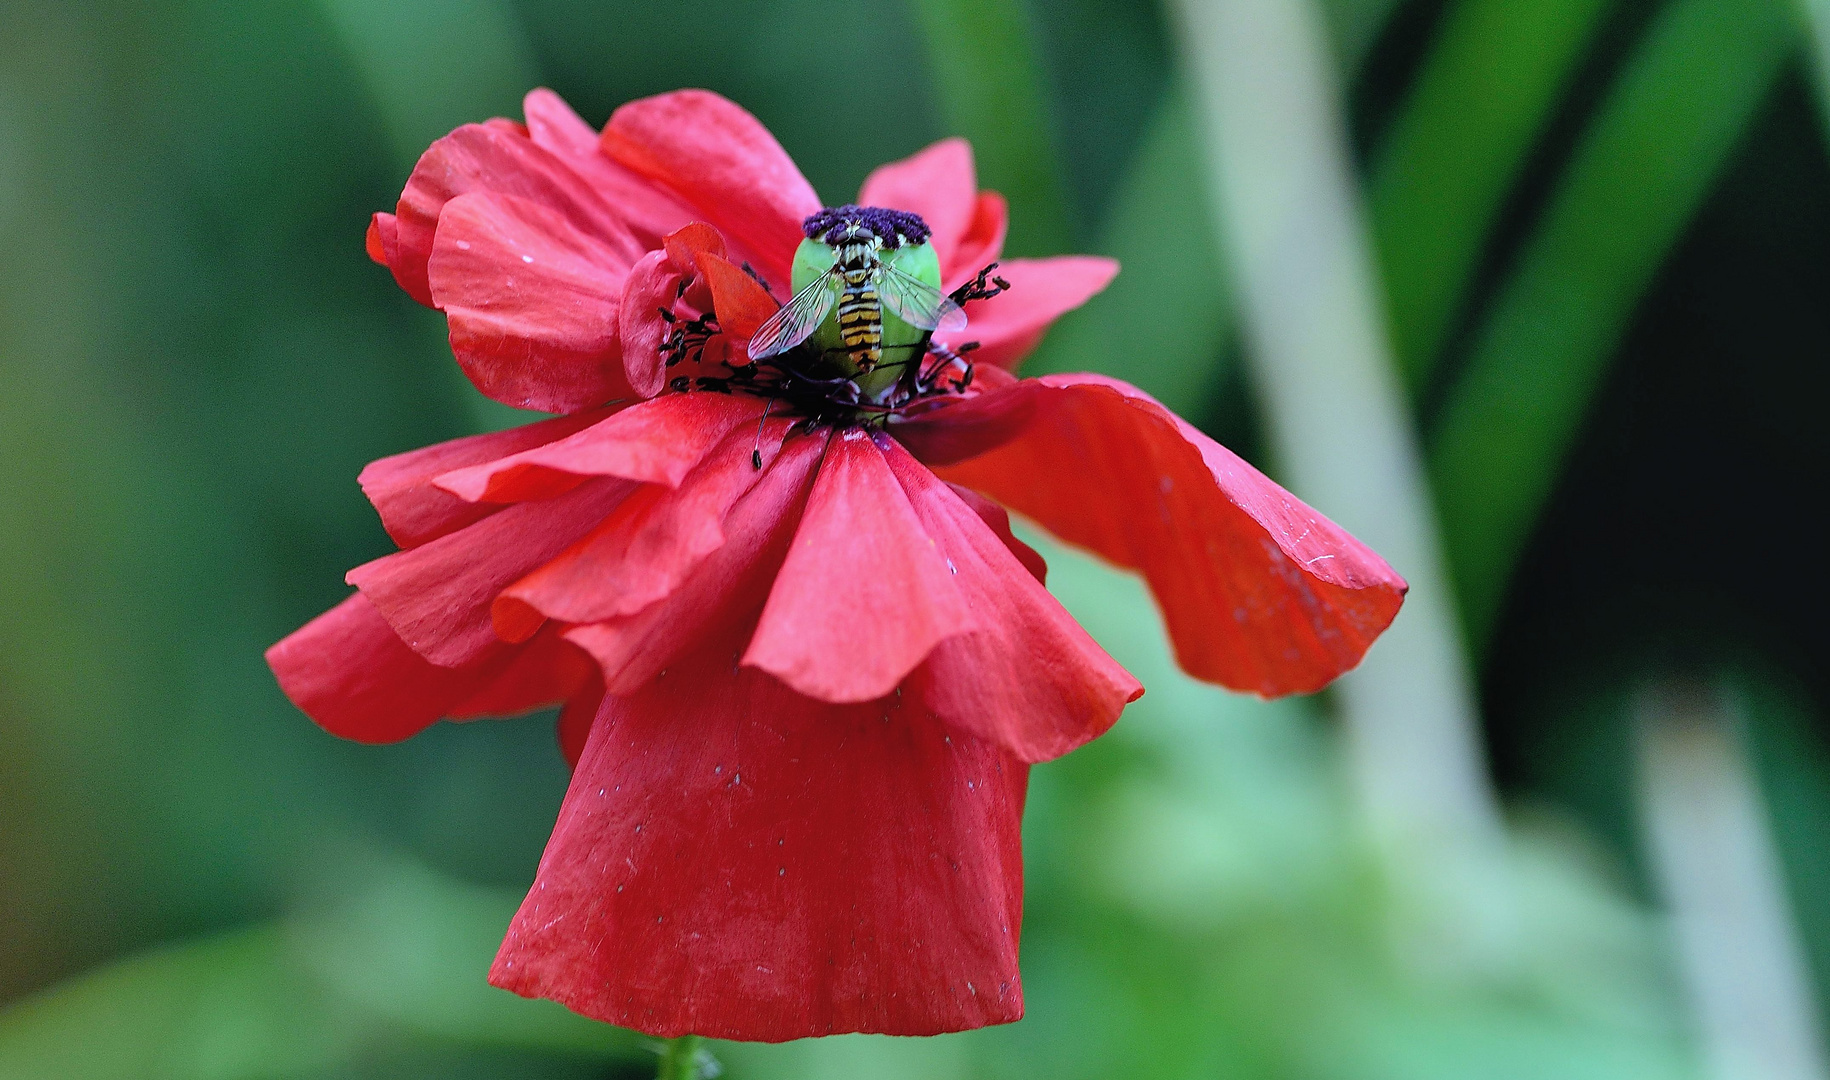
(917, 303)
(797, 319)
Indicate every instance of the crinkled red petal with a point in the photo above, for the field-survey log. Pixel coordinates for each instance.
(651, 288)
(1260, 592)
(723, 162)
(349, 671)
(726, 590)
(545, 671)
(380, 241)
(644, 551)
(997, 519)
(865, 594)
(736, 860)
(649, 210)
(437, 596)
(1009, 325)
(656, 441)
(413, 510)
(938, 183)
(742, 305)
(481, 157)
(532, 304)
(1028, 677)
(982, 243)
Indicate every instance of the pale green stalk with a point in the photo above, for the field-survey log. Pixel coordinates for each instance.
(1285, 198)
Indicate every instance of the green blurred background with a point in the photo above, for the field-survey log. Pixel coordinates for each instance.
(1599, 277)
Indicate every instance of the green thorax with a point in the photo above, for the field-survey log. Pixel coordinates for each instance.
(902, 344)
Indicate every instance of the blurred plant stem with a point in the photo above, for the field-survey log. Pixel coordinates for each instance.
(989, 79)
(431, 66)
(1715, 863)
(1286, 199)
(680, 1059)
(1817, 23)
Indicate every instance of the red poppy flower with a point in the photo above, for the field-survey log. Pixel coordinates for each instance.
(804, 663)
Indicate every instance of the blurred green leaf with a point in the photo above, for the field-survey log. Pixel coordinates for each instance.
(1162, 322)
(989, 79)
(406, 954)
(1641, 171)
(1484, 93)
(431, 66)
(223, 1008)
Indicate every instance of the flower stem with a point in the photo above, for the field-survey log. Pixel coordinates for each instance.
(680, 1059)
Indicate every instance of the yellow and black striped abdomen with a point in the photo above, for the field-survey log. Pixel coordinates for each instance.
(861, 319)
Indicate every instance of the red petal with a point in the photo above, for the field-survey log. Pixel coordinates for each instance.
(1261, 593)
(1009, 325)
(643, 551)
(1029, 678)
(650, 289)
(982, 243)
(649, 210)
(689, 241)
(864, 595)
(576, 718)
(437, 596)
(723, 161)
(532, 304)
(939, 184)
(726, 590)
(997, 519)
(657, 442)
(741, 303)
(544, 672)
(479, 157)
(414, 511)
(952, 429)
(349, 671)
(738, 861)
(380, 242)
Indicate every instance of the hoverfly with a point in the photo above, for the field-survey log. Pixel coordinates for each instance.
(860, 284)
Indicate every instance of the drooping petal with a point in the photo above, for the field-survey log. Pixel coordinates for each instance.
(1009, 325)
(722, 161)
(735, 860)
(644, 550)
(543, 672)
(864, 595)
(575, 720)
(742, 304)
(726, 590)
(437, 596)
(1260, 592)
(649, 210)
(482, 157)
(380, 241)
(939, 183)
(642, 322)
(413, 510)
(532, 304)
(997, 519)
(982, 243)
(656, 442)
(349, 671)
(1028, 678)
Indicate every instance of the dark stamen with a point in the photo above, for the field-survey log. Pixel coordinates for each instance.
(893, 227)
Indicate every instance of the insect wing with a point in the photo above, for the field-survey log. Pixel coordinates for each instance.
(796, 321)
(917, 303)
